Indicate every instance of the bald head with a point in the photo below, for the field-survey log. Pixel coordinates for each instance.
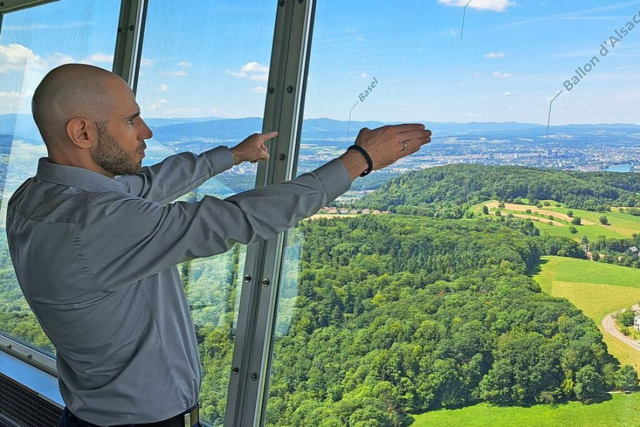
(89, 118)
(71, 91)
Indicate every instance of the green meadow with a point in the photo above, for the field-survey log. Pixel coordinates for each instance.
(622, 410)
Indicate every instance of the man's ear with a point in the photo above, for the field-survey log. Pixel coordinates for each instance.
(81, 132)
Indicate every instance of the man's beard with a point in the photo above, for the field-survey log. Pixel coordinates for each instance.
(110, 155)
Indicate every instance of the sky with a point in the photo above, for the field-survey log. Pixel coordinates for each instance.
(211, 58)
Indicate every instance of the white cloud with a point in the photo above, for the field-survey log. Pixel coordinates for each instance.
(58, 59)
(11, 102)
(495, 55)
(33, 27)
(259, 89)
(507, 94)
(11, 95)
(360, 38)
(146, 62)
(14, 57)
(182, 111)
(163, 87)
(101, 57)
(495, 5)
(181, 73)
(219, 112)
(253, 71)
(351, 30)
(254, 67)
(501, 75)
(363, 76)
(184, 64)
(158, 104)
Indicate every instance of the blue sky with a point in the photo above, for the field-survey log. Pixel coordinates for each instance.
(211, 58)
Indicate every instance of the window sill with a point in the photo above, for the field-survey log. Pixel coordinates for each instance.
(40, 382)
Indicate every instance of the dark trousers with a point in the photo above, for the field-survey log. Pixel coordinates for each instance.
(70, 420)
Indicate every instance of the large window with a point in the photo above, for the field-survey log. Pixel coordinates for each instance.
(434, 284)
(202, 84)
(32, 42)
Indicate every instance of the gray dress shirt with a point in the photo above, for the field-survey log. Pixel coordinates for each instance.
(95, 258)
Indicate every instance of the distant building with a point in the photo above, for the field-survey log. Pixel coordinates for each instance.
(344, 211)
(633, 251)
(353, 212)
(376, 212)
(366, 211)
(636, 323)
(333, 211)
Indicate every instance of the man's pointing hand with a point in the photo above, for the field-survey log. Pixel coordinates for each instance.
(253, 148)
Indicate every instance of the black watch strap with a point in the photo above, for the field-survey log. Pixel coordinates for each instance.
(366, 156)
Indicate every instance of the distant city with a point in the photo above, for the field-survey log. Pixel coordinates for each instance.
(588, 148)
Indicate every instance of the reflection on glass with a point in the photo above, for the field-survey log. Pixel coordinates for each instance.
(434, 283)
(201, 87)
(33, 42)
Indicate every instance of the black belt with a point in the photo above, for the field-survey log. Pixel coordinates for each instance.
(188, 418)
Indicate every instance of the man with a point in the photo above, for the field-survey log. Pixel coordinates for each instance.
(95, 240)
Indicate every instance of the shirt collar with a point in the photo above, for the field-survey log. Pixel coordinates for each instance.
(71, 176)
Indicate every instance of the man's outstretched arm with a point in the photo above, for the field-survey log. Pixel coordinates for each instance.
(130, 238)
(178, 174)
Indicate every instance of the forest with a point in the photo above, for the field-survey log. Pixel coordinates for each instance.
(399, 315)
(446, 192)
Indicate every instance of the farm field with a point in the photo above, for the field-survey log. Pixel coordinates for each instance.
(597, 289)
(622, 225)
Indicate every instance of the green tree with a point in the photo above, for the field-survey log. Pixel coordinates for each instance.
(627, 378)
(589, 383)
(573, 230)
(585, 241)
(604, 220)
(625, 318)
(485, 210)
(570, 214)
(576, 220)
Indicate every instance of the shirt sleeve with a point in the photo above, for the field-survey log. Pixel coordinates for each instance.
(124, 240)
(177, 175)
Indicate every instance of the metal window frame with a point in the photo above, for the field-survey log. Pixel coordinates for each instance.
(249, 378)
(28, 354)
(7, 6)
(128, 51)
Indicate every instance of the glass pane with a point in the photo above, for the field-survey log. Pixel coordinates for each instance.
(32, 42)
(202, 84)
(466, 277)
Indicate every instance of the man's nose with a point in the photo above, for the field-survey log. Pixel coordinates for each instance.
(147, 132)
